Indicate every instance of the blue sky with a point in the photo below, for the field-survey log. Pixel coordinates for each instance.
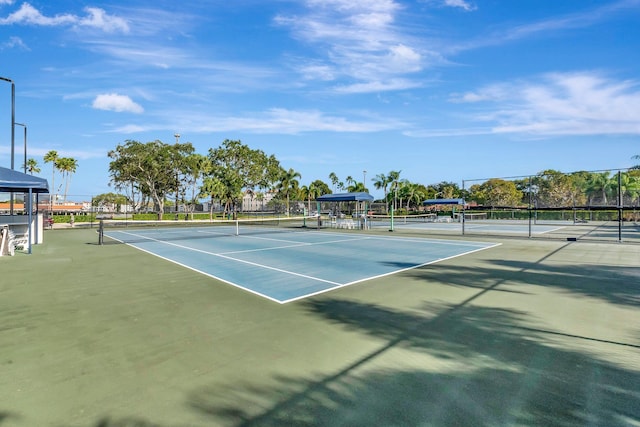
(443, 90)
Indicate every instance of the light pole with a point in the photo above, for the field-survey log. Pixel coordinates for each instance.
(13, 117)
(364, 181)
(25, 144)
(13, 132)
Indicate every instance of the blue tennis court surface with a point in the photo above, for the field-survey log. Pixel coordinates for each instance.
(287, 266)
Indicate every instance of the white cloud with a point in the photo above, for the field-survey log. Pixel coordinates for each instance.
(271, 121)
(557, 104)
(462, 4)
(115, 102)
(13, 42)
(357, 40)
(547, 27)
(95, 18)
(98, 18)
(378, 86)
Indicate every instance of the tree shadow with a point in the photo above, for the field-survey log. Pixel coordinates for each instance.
(125, 422)
(617, 285)
(6, 415)
(509, 377)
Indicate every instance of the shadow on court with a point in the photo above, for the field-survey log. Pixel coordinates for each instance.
(616, 285)
(512, 378)
(501, 368)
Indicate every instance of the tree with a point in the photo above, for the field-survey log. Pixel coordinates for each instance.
(32, 166)
(381, 181)
(149, 168)
(213, 188)
(555, 189)
(109, 201)
(288, 184)
(241, 168)
(598, 187)
(636, 157)
(357, 187)
(415, 193)
(447, 190)
(334, 180)
(496, 192)
(195, 167)
(313, 191)
(393, 178)
(52, 157)
(67, 166)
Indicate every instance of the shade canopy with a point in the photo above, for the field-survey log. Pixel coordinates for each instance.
(443, 202)
(12, 181)
(346, 197)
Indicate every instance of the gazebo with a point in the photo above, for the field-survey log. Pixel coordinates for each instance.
(12, 181)
(346, 197)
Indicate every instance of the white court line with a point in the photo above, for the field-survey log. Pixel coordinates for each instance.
(295, 245)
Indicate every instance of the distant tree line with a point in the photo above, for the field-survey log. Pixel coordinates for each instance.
(156, 173)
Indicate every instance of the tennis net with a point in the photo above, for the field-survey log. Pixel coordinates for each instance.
(131, 231)
(385, 220)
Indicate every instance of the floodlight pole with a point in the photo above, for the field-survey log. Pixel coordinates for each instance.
(13, 131)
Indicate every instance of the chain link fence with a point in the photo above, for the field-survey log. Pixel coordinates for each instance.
(589, 205)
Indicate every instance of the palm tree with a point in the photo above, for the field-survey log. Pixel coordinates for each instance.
(311, 192)
(67, 165)
(32, 166)
(288, 183)
(393, 178)
(213, 188)
(599, 183)
(382, 181)
(334, 180)
(357, 187)
(414, 193)
(52, 157)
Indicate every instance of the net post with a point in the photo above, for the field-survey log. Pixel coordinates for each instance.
(237, 227)
(101, 232)
(529, 209)
(463, 209)
(620, 206)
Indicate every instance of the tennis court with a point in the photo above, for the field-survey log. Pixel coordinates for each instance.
(291, 262)
(530, 332)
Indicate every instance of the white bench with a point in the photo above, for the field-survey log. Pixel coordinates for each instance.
(346, 223)
(14, 241)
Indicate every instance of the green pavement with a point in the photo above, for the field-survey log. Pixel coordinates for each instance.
(526, 333)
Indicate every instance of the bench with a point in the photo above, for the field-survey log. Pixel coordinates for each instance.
(14, 241)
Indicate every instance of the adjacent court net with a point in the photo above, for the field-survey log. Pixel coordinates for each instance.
(385, 220)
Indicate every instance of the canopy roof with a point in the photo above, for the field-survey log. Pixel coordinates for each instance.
(443, 202)
(346, 197)
(14, 181)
